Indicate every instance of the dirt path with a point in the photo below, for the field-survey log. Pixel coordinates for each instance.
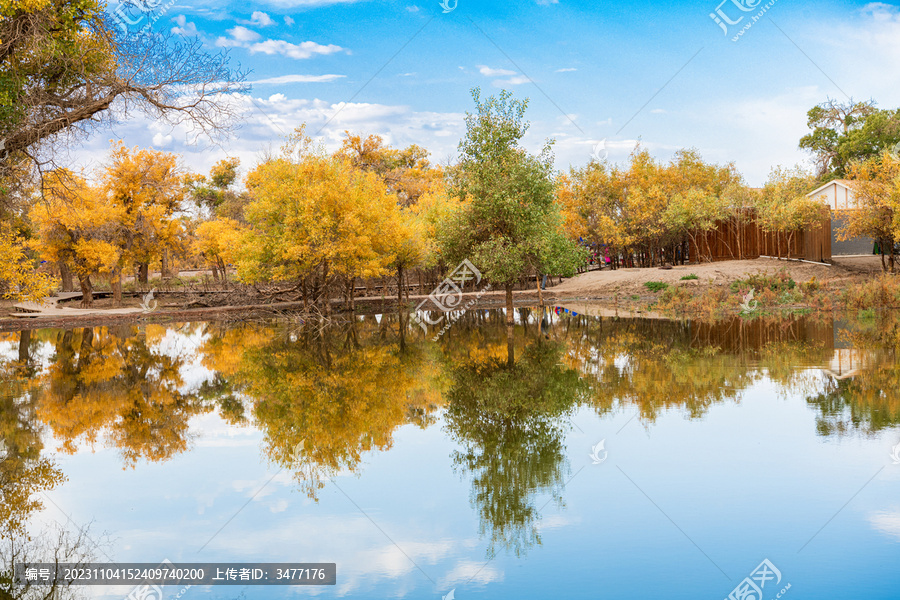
(604, 284)
(50, 308)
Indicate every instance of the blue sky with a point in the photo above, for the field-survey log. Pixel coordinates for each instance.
(663, 73)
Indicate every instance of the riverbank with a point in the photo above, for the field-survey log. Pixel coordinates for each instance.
(708, 290)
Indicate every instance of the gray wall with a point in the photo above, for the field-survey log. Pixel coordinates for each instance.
(859, 245)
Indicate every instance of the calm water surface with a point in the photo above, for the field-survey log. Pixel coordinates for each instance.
(614, 458)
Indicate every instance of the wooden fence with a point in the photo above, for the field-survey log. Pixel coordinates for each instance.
(743, 238)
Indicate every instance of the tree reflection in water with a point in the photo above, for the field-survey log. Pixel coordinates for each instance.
(325, 397)
(340, 391)
(25, 476)
(511, 421)
(119, 384)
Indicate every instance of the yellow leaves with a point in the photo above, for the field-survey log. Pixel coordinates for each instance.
(783, 205)
(138, 179)
(650, 204)
(95, 256)
(76, 225)
(19, 279)
(128, 218)
(876, 185)
(313, 211)
(217, 239)
(11, 7)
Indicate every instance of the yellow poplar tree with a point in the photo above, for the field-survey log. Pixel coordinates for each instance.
(77, 226)
(216, 242)
(876, 183)
(148, 188)
(18, 278)
(315, 217)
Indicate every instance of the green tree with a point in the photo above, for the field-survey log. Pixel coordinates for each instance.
(844, 133)
(508, 193)
(215, 194)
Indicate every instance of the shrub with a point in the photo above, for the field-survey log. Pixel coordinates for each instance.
(763, 281)
(690, 277)
(881, 292)
(656, 286)
(810, 286)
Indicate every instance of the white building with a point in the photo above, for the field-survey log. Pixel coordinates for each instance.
(838, 194)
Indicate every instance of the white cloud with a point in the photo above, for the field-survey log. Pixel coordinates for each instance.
(183, 27)
(547, 2)
(517, 80)
(658, 111)
(161, 141)
(862, 54)
(296, 79)
(260, 19)
(289, 21)
(241, 37)
(489, 72)
(566, 119)
(299, 51)
(769, 128)
(412, 9)
(566, 70)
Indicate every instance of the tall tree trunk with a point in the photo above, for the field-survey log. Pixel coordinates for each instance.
(315, 288)
(325, 288)
(510, 318)
(351, 292)
(68, 284)
(223, 268)
(537, 279)
(87, 291)
(164, 266)
(215, 272)
(399, 285)
(116, 283)
(143, 272)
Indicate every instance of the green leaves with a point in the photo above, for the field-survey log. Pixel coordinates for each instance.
(510, 207)
(848, 133)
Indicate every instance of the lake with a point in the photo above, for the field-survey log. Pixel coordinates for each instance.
(612, 458)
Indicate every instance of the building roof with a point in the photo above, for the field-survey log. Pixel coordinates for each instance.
(844, 183)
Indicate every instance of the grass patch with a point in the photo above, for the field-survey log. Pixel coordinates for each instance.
(691, 277)
(779, 282)
(656, 286)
